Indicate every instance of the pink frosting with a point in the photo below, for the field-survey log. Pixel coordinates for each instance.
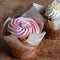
(23, 27)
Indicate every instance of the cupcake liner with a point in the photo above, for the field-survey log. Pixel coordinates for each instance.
(26, 49)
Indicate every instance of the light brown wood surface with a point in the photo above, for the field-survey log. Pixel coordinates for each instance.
(47, 50)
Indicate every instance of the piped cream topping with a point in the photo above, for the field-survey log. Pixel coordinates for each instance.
(23, 27)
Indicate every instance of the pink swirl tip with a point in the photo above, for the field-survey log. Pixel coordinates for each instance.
(23, 27)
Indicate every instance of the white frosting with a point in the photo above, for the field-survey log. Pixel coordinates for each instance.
(53, 11)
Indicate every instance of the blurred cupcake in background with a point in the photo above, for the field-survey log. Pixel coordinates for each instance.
(52, 26)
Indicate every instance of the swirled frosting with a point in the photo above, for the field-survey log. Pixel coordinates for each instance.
(23, 27)
(53, 11)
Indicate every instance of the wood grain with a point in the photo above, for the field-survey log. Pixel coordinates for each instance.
(47, 50)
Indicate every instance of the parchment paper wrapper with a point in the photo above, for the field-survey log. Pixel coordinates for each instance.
(26, 49)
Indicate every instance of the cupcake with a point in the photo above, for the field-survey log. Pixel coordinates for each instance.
(52, 12)
(20, 34)
(23, 34)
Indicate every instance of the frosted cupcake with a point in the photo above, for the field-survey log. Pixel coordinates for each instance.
(53, 14)
(22, 35)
